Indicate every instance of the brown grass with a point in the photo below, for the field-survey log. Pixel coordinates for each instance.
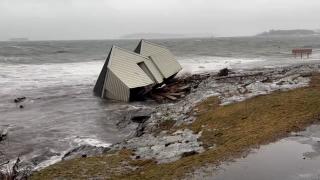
(233, 129)
(82, 168)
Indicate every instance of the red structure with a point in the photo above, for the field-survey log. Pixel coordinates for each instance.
(301, 51)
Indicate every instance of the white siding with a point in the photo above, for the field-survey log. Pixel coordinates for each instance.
(154, 70)
(124, 65)
(161, 57)
(115, 88)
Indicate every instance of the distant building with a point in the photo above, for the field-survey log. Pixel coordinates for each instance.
(128, 76)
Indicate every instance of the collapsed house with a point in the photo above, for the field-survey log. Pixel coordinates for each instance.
(128, 76)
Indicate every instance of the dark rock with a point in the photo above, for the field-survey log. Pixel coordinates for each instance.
(61, 51)
(190, 153)
(137, 116)
(2, 138)
(140, 130)
(307, 74)
(266, 80)
(223, 72)
(43, 157)
(86, 150)
(140, 119)
(3, 135)
(83, 155)
(21, 106)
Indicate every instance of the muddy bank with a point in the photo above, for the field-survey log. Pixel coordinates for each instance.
(236, 87)
(161, 139)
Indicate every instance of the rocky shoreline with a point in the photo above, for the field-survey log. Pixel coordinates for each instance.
(153, 136)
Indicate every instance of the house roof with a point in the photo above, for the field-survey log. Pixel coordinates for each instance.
(161, 57)
(124, 64)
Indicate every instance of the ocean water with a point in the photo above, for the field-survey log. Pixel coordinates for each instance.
(57, 77)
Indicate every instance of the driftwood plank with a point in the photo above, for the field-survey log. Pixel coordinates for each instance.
(169, 97)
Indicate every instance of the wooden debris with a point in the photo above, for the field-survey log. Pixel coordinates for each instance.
(184, 87)
(169, 97)
(177, 88)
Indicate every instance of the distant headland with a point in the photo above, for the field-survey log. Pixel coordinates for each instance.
(163, 36)
(289, 32)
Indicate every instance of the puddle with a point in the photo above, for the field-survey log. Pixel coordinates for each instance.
(293, 158)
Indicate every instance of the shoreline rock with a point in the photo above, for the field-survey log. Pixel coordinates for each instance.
(237, 87)
(168, 147)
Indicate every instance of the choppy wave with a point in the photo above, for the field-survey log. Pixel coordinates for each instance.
(18, 77)
(75, 142)
(15, 78)
(209, 63)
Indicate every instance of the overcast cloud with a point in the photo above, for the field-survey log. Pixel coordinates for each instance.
(101, 19)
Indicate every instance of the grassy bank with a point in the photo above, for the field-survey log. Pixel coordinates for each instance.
(227, 132)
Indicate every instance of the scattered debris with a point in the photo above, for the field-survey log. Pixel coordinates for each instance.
(4, 163)
(177, 88)
(84, 151)
(15, 172)
(19, 99)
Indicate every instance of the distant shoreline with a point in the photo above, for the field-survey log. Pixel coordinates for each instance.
(294, 32)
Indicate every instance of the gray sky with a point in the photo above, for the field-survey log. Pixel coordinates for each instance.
(101, 19)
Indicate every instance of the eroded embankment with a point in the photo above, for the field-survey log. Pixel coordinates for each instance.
(174, 144)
